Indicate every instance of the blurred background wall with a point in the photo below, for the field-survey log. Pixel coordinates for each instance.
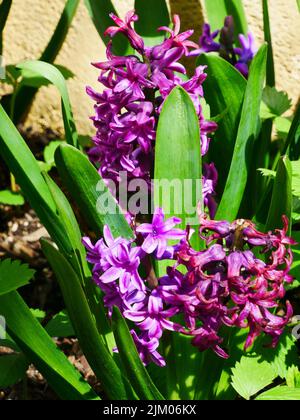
(31, 23)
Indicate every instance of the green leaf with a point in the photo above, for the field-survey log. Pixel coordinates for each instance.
(38, 314)
(13, 368)
(4, 12)
(281, 203)
(217, 11)
(152, 15)
(224, 91)
(298, 4)
(247, 134)
(250, 375)
(25, 95)
(267, 172)
(178, 142)
(33, 80)
(292, 144)
(11, 199)
(280, 393)
(137, 374)
(296, 178)
(60, 326)
(276, 103)
(13, 275)
(86, 186)
(99, 11)
(293, 377)
(61, 31)
(282, 126)
(268, 39)
(92, 344)
(41, 350)
(49, 152)
(53, 75)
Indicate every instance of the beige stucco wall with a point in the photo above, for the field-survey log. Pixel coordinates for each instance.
(31, 23)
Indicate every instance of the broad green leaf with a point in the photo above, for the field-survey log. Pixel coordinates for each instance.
(296, 178)
(268, 39)
(282, 126)
(249, 376)
(177, 159)
(25, 95)
(246, 136)
(92, 344)
(60, 325)
(152, 15)
(293, 377)
(13, 368)
(52, 74)
(178, 142)
(4, 12)
(99, 11)
(13, 275)
(11, 199)
(275, 103)
(96, 203)
(280, 393)
(38, 314)
(137, 373)
(224, 91)
(217, 10)
(281, 203)
(41, 350)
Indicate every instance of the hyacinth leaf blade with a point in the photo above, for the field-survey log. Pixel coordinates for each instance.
(93, 345)
(152, 15)
(281, 203)
(137, 373)
(53, 75)
(4, 12)
(268, 38)
(13, 275)
(99, 11)
(280, 393)
(87, 188)
(217, 11)
(178, 139)
(39, 348)
(13, 368)
(292, 144)
(246, 136)
(224, 91)
(25, 94)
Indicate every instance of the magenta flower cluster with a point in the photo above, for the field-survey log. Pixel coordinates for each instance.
(241, 57)
(238, 280)
(127, 111)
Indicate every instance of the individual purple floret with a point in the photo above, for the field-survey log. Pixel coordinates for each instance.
(225, 285)
(241, 57)
(136, 86)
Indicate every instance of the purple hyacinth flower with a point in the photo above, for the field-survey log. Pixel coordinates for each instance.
(147, 349)
(159, 232)
(153, 318)
(126, 28)
(207, 41)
